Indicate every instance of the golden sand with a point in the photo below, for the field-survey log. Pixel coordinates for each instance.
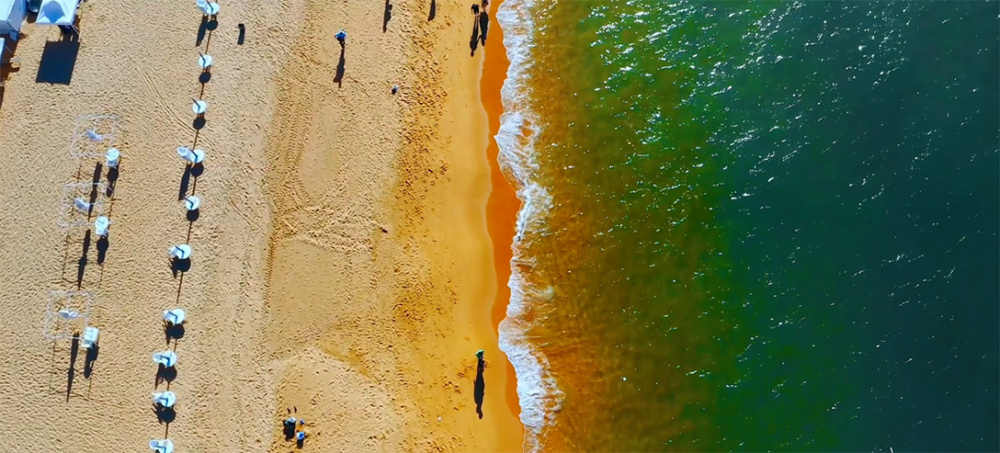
(342, 267)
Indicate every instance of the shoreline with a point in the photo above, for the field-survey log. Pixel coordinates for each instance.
(503, 205)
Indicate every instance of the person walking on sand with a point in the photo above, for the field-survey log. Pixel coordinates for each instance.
(341, 37)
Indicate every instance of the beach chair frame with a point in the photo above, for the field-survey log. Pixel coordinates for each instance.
(82, 147)
(69, 216)
(57, 328)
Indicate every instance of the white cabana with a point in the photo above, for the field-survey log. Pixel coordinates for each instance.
(57, 12)
(12, 14)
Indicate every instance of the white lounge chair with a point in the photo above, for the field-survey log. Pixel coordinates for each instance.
(192, 202)
(165, 358)
(175, 316)
(162, 446)
(111, 158)
(181, 252)
(101, 226)
(165, 399)
(89, 339)
(83, 205)
(195, 157)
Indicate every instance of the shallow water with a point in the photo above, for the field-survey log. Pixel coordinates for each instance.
(754, 226)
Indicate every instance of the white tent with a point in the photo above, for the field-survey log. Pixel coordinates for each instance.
(57, 12)
(12, 14)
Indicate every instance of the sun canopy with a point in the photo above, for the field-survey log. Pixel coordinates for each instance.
(12, 14)
(57, 12)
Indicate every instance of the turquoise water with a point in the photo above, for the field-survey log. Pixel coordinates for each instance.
(755, 225)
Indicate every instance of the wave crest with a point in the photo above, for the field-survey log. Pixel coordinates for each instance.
(537, 390)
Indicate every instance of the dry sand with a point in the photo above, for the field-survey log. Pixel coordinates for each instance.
(341, 261)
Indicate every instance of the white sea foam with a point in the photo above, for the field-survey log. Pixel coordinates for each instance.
(537, 390)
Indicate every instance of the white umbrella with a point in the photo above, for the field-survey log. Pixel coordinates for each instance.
(181, 252)
(175, 316)
(101, 226)
(165, 399)
(192, 202)
(165, 358)
(199, 107)
(111, 158)
(205, 61)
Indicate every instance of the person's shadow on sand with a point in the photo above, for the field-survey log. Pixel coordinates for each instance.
(474, 41)
(341, 67)
(480, 387)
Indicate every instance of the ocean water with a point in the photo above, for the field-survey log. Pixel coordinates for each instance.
(754, 225)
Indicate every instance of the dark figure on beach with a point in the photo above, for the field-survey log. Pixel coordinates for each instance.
(288, 428)
(474, 40)
(475, 9)
(484, 25)
(480, 387)
(341, 37)
(243, 34)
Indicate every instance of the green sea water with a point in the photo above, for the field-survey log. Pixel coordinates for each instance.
(755, 225)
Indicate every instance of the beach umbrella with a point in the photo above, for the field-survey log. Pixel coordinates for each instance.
(181, 252)
(192, 202)
(165, 399)
(195, 157)
(205, 61)
(199, 107)
(162, 445)
(111, 158)
(101, 226)
(175, 316)
(208, 8)
(165, 358)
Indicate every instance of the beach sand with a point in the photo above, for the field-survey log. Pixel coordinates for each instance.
(342, 267)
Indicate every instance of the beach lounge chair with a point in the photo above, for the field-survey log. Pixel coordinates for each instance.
(164, 399)
(181, 252)
(89, 339)
(162, 446)
(166, 358)
(83, 205)
(174, 317)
